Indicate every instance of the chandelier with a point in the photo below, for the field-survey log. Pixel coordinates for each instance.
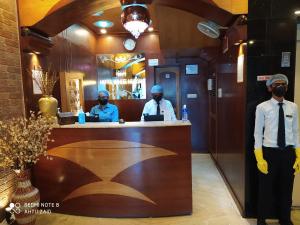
(135, 18)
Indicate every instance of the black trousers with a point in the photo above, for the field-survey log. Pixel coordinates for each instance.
(281, 174)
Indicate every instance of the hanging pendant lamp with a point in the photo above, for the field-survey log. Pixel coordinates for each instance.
(135, 18)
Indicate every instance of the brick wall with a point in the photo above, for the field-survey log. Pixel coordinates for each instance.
(11, 91)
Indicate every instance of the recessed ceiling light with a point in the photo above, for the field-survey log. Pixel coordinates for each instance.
(150, 29)
(297, 12)
(103, 31)
(104, 24)
(100, 13)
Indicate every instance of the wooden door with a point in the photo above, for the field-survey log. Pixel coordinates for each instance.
(168, 78)
(194, 94)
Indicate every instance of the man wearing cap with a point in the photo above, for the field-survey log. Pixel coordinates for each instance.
(277, 150)
(105, 111)
(158, 105)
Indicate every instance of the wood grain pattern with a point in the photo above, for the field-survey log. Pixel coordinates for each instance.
(227, 117)
(178, 29)
(124, 172)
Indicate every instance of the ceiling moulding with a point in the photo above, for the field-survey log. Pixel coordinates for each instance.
(28, 13)
(66, 13)
(127, 2)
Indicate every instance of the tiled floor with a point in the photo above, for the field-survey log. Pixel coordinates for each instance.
(212, 204)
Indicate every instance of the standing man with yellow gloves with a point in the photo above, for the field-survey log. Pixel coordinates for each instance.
(277, 150)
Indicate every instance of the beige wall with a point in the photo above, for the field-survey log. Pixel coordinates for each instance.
(11, 90)
(296, 196)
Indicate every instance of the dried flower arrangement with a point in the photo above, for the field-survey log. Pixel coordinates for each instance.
(45, 81)
(23, 140)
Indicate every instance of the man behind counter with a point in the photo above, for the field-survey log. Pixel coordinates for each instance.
(107, 112)
(158, 105)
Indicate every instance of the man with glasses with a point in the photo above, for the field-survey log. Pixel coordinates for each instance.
(105, 111)
(277, 150)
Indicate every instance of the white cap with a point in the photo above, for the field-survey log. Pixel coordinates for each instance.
(277, 77)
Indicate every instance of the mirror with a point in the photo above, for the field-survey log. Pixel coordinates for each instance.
(123, 75)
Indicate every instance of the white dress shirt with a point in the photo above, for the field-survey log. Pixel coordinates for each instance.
(266, 124)
(166, 109)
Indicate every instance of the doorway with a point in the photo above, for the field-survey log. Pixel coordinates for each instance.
(184, 89)
(168, 77)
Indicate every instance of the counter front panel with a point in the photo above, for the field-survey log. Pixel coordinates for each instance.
(114, 170)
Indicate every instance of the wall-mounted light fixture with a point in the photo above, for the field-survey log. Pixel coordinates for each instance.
(81, 32)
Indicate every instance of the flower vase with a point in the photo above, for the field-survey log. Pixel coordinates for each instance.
(48, 105)
(26, 199)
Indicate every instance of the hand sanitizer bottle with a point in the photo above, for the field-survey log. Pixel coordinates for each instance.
(81, 116)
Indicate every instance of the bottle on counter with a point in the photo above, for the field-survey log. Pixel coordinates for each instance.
(81, 116)
(184, 113)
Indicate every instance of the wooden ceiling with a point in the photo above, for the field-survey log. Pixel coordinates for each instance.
(178, 30)
(114, 15)
(232, 6)
(174, 20)
(53, 16)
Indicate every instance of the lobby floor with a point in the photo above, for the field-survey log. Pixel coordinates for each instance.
(212, 204)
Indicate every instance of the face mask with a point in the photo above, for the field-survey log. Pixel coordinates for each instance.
(279, 91)
(157, 98)
(103, 101)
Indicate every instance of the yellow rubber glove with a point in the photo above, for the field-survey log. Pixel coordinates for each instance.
(262, 164)
(297, 162)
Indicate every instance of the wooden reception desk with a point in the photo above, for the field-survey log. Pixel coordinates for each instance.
(136, 169)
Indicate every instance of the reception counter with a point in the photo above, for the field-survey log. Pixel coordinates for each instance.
(136, 169)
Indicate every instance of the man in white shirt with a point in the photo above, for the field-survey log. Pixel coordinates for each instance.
(158, 105)
(277, 150)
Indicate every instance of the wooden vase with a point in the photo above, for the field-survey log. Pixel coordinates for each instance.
(26, 199)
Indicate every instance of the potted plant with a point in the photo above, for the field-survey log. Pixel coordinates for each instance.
(46, 81)
(22, 142)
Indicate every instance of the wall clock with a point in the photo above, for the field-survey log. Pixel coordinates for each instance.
(129, 44)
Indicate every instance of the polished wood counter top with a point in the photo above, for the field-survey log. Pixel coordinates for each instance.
(136, 169)
(128, 124)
